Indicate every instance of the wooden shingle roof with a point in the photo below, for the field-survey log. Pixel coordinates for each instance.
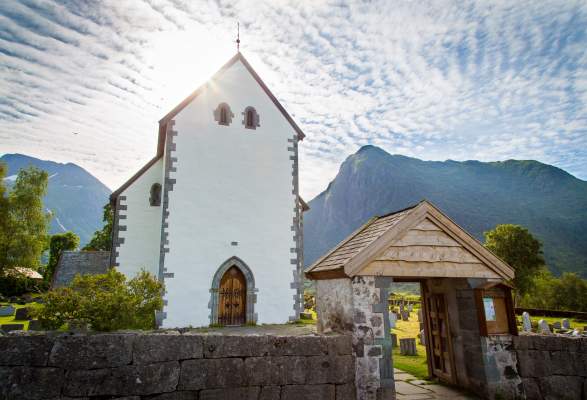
(357, 241)
(417, 241)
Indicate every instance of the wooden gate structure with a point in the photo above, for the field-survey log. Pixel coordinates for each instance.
(232, 299)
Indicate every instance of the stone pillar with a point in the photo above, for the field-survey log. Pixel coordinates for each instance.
(372, 338)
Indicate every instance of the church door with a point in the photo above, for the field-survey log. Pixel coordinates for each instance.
(232, 298)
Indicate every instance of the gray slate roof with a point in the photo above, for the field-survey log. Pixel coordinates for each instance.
(80, 262)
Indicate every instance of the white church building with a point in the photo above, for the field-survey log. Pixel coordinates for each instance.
(216, 214)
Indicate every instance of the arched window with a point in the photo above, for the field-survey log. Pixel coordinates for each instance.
(155, 199)
(223, 114)
(251, 118)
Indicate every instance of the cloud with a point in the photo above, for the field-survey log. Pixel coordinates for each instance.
(433, 79)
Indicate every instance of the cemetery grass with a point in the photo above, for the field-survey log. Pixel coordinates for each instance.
(10, 319)
(415, 365)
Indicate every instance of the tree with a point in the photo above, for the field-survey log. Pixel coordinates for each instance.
(104, 302)
(23, 221)
(570, 292)
(59, 243)
(516, 246)
(102, 239)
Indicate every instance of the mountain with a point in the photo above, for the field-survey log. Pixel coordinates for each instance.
(548, 201)
(74, 196)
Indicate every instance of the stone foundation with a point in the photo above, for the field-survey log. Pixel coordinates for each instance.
(171, 365)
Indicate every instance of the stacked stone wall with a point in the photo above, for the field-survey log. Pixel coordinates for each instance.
(552, 367)
(174, 365)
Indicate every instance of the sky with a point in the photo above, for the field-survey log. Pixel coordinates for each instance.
(87, 81)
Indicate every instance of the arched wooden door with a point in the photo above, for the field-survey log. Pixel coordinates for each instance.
(233, 298)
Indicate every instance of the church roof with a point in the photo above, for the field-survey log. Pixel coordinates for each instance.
(364, 245)
(72, 263)
(163, 122)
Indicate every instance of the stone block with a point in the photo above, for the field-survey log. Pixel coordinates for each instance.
(22, 314)
(35, 325)
(561, 387)
(520, 342)
(346, 391)
(270, 393)
(532, 389)
(123, 381)
(340, 369)
(31, 383)
(308, 392)
(241, 393)
(533, 363)
(25, 350)
(211, 373)
(297, 346)
(339, 345)
(12, 327)
(578, 364)
(264, 371)
(177, 395)
(152, 348)
(218, 346)
(92, 351)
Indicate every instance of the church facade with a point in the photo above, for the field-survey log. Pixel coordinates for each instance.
(216, 214)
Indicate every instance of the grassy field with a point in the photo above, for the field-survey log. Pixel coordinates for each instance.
(415, 365)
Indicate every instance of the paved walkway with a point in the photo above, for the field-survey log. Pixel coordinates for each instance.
(408, 387)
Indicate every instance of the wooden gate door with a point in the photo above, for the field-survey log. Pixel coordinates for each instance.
(232, 298)
(439, 335)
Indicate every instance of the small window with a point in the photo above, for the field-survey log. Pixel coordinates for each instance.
(251, 118)
(223, 115)
(155, 199)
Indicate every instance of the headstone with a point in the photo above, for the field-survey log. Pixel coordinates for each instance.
(422, 337)
(526, 322)
(407, 347)
(401, 308)
(566, 324)
(543, 327)
(305, 315)
(405, 316)
(6, 311)
(12, 327)
(557, 325)
(420, 316)
(410, 307)
(35, 325)
(392, 319)
(576, 332)
(22, 314)
(393, 340)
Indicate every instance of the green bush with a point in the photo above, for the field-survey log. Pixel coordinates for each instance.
(104, 302)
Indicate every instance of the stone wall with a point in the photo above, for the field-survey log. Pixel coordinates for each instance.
(552, 367)
(174, 365)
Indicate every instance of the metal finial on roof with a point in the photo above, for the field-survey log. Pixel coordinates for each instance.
(238, 37)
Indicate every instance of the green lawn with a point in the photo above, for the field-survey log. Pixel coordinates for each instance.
(10, 319)
(415, 365)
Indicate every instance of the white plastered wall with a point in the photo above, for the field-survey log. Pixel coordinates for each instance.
(142, 236)
(232, 184)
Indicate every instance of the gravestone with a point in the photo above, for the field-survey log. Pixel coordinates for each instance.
(405, 316)
(393, 340)
(422, 338)
(392, 319)
(526, 322)
(22, 314)
(557, 325)
(407, 347)
(12, 327)
(35, 325)
(543, 327)
(401, 308)
(410, 307)
(6, 311)
(576, 332)
(566, 324)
